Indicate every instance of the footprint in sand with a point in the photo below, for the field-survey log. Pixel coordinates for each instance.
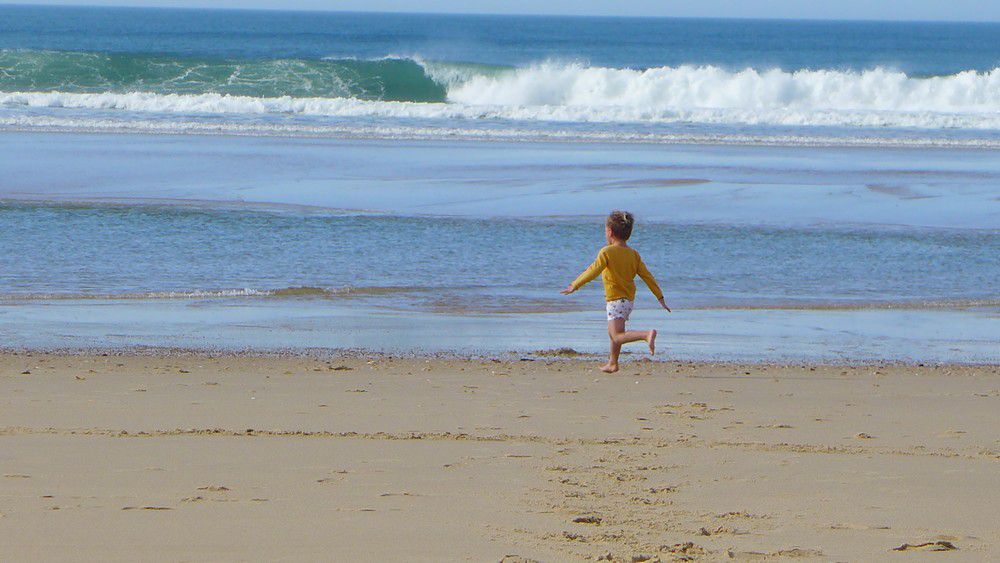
(661, 490)
(517, 559)
(797, 552)
(146, 508)
(335, 479)
(685, 551)
(214, 488)
(588, 519)
(850, 526)
(740, 514)
(940, 545)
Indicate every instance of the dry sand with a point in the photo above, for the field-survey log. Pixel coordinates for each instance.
(234, 458)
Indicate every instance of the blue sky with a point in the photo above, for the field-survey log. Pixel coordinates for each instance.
(967, 10)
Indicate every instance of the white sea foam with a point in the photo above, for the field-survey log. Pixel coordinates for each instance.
(560, 92)
(285, 292)
(469, 132)
(193, 294)
(688, 88)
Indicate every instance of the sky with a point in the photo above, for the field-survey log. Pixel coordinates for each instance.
(962, 10)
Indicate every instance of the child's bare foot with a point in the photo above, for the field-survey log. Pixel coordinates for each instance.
(651, 340)
(609, 368)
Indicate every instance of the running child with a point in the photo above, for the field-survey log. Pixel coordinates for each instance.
(618, 265)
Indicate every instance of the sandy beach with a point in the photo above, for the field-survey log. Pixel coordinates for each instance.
(347, 458)
(280, 281)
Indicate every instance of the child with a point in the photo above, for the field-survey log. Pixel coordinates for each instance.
(619, 265)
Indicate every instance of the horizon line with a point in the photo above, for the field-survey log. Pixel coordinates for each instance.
(494, 14)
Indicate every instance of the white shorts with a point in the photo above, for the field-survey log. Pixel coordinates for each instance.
(619, 309)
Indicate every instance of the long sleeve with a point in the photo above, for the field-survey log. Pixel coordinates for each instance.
(592, 272)
(649, 279)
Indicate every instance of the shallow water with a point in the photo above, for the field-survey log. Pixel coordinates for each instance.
(491, 227)
(811, 190)
(307, 326)
(406, 246)
(708, 184)
(463, 265)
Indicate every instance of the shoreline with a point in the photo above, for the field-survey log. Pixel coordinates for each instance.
(430, 459)
(295, 327)
(568, 356)
(285, 286)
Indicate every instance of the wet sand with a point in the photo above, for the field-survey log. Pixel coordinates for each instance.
(348, 458)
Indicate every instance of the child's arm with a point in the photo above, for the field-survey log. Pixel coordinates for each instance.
(647, 277)
(589, 274)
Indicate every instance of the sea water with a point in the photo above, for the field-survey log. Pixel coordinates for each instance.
(233, 179)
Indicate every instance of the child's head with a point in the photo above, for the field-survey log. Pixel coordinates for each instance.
(618, 226)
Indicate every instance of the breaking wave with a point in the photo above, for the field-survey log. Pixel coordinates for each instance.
(411, 88)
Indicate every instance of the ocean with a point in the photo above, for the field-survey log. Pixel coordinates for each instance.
(427, 183)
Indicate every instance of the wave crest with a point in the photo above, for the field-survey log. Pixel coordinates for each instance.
(388, 78)
(412, 88)
(658, 91)
(221, 104)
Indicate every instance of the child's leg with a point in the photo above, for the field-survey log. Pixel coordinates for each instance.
(616, 348)
(617, 332)
(620, 336)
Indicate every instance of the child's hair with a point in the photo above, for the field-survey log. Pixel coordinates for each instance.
(620, 223)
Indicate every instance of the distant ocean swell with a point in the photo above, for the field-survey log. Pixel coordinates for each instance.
(412, 88)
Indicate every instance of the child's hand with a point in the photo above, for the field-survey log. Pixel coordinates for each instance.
(664, 305)
(569, 289)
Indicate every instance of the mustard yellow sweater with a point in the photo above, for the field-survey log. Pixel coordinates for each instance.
(618, 266)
